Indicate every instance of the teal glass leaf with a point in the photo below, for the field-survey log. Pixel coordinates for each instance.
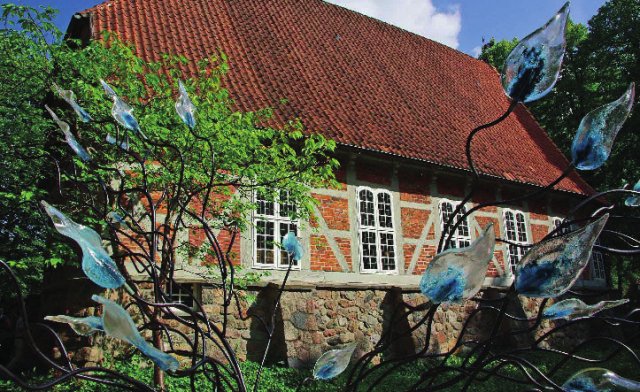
(333, 362)
(84, 326)
(533, 66)
(124, 144)
(185, 108)
(291, 244)
(70, 98)
(68, 136)
(598, 130)
(118, 324)
(458, 274)
(599, 380)
(634, 200)
(96, 263)
(122, 112)
(573, 308)
(551, 267)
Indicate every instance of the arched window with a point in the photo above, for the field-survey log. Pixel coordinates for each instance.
(461, 236)
(515, 227)
(376, 231)
(272, 221)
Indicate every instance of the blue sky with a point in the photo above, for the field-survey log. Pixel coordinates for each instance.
(458, 23)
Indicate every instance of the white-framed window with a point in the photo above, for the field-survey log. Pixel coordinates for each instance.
(185, 294)
(272, 220)
(461, 238)
(376, 231)
(597, 264)
(515, 230)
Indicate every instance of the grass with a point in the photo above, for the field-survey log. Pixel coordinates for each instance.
(283, 379)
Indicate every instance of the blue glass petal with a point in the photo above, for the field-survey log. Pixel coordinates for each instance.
(598, 130)
(123, 144)
(573, 308)
(107, 89)
(533, 66)
(96, 263)
(84, 326)
(458, 274)
(634, 200)
(333, 362)
(291, 244)
(70, 98)
(68, 136)
(551, 267)
(119, 324)
(185, 107)
(599, 380)
(121, 111)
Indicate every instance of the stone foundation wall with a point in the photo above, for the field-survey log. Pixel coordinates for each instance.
(312, 321)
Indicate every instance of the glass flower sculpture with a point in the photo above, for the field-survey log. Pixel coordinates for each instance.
(551, 267)
(598, 129)
(70, 98)
(634, 200)
(71, 140)
(333, 362)
(573, 308)
(599, 380)
(457, 274)
(124, 144)
(291, 244)
(96, 263)
(84, 326)
(121, 112)
(185, 108)
(118, 324)
(533, 66)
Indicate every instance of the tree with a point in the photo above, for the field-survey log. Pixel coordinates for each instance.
(150, 184)
(246, 154)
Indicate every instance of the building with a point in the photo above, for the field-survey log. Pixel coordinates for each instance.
(400, 107)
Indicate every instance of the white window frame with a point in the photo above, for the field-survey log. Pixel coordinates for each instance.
(378, 231)
(278, 252)
(457, 238)
(521, 251)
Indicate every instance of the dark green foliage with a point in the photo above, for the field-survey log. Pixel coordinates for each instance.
(283, 379)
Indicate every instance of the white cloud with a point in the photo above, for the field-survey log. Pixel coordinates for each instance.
(476, 51)
(418, 16)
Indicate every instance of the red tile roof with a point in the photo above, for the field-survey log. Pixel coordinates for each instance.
(355, 79)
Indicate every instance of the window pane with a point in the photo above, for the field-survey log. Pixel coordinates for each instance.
(514, 257)
(287, 209)
(369, 252)
(286, 227)
(265, 207)
(522, 228)
(367, 217)
(387, 254)
(180, 294)
(384, 210)
(264, 242)
(510, 226)
(461, 237)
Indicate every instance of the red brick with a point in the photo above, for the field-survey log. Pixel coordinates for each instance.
(413, 221)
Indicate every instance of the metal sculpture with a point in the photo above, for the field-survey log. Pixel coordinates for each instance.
(146, 240)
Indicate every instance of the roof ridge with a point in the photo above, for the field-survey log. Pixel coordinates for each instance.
(399, 28)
